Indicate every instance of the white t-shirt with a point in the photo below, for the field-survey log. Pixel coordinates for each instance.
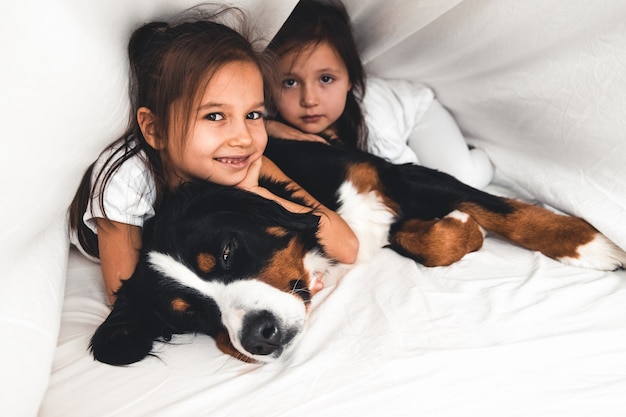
(129, 195)
(392, 108)
(407, 124)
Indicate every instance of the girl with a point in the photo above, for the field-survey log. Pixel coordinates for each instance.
(197, 101)
(322, 92)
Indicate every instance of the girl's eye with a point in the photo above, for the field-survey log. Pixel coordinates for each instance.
(326, 79)
(214, 117)
(254, 115)
(290, 83)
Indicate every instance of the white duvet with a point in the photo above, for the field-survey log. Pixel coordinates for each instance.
(539, 85)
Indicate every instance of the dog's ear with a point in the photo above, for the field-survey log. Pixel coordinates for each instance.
(126, 336)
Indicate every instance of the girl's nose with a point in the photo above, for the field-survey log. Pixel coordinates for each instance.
(240, 135)
(308, 97)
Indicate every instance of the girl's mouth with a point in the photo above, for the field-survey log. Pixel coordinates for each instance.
(311, 119)
(235, 162)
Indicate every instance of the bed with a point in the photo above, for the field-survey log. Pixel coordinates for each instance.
(504, 332)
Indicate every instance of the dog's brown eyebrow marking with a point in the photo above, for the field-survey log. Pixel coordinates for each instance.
(178, 304)
(277, 231)
(206, 262)
(364, 177)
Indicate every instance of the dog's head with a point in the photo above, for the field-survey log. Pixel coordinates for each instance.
(219, 261)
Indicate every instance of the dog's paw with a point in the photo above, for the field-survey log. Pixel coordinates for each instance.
(600, 253)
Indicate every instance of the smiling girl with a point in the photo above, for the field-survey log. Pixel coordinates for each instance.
(197, 98)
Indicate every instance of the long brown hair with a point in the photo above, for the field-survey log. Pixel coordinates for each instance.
(170, 66)
(326, 21)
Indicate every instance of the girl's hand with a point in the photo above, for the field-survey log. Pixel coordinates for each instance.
(251, 180)
(337, 238)
(317, 287)
(283, 131)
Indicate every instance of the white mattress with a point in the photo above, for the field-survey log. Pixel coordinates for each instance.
(504, 332)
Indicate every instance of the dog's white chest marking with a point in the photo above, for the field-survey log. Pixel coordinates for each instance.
(369, 219)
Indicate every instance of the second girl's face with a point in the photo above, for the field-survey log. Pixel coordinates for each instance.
(228, 133)
(314, 88)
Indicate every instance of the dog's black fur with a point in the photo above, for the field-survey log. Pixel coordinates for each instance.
(226, 235)
(419, 191)
(416, 192)
(201, 218)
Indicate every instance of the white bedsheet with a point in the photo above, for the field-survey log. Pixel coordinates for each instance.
(504, 332)
(539, 85)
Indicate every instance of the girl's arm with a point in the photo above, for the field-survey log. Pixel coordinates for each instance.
(119, 245)
(283, 131)
(337, 238)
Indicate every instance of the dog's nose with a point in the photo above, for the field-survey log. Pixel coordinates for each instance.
(261, 334)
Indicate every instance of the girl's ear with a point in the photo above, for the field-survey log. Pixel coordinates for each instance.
(145, 119)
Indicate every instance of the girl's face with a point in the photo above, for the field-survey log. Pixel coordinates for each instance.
(314, 88)
(227, 132)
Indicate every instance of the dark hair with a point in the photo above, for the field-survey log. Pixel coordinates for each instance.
(170, 66)
(326, 21)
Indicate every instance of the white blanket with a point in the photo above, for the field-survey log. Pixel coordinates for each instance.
(538, 85)
(504, 332)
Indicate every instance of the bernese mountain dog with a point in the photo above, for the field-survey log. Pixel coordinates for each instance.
(230, 264)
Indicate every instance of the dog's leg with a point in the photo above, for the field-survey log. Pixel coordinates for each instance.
(568, 239)
(437, 242)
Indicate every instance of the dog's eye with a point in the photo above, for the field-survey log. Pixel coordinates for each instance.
(227, 253)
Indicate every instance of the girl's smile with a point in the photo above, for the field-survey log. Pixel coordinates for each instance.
(228, 135)
(234, 162)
